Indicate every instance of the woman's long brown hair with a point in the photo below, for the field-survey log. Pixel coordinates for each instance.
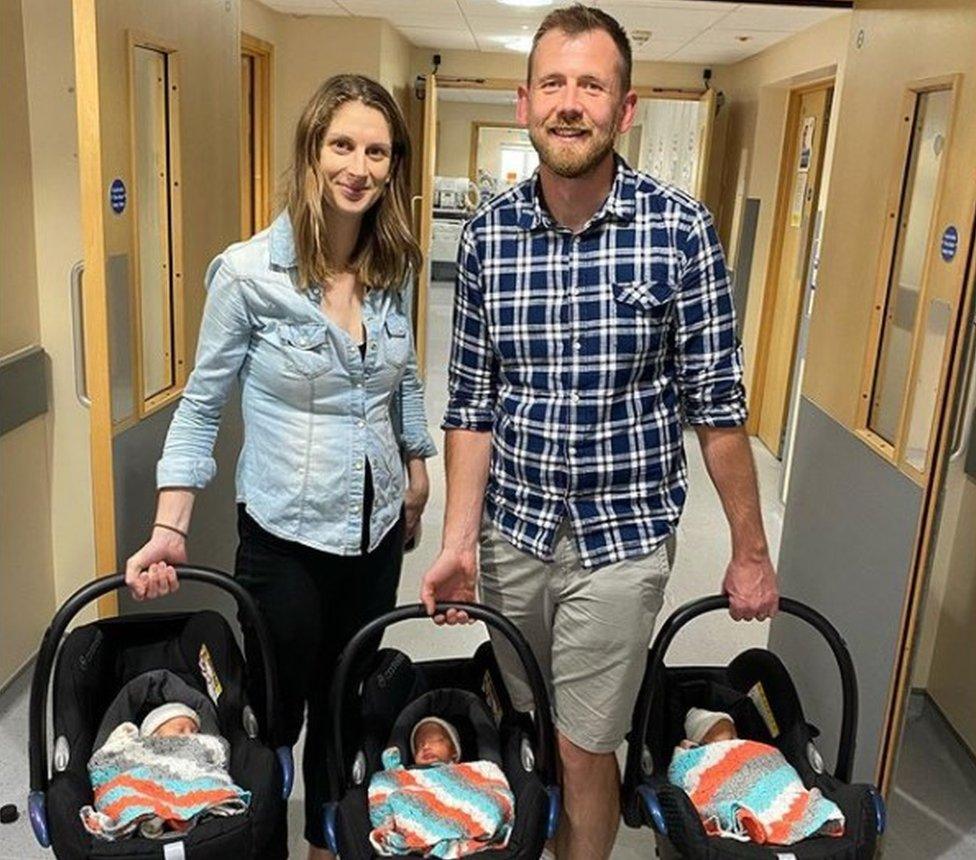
(386, 249)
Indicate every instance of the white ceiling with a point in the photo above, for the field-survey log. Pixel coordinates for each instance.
(682, 31)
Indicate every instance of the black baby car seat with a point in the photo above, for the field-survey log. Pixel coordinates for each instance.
(757, 691)
(394, 692)
(97, 661)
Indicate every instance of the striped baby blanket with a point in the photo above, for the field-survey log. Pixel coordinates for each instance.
(748, 791)
(445, 810)
(158, 784)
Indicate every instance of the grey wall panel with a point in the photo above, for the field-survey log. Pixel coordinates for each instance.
(848, 538)
(23, 387)
(743, 263)
(213, 532)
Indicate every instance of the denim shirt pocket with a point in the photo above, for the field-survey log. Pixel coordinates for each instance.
(305, 347)
(397, 342)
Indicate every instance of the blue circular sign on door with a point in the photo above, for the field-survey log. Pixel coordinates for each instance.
(116, 196)
(950, 243)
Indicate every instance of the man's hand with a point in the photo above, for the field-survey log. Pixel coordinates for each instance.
(450, 579)
(752, 589)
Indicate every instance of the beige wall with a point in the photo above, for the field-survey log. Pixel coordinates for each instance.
(20, 326)
(26, 568)
(454, 124)
(757, 92)
(54, 143)
(311, 48)
(394, 71)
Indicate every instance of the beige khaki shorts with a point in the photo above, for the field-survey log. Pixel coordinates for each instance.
(588, 628)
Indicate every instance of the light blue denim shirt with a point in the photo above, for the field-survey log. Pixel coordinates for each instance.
(313, 409)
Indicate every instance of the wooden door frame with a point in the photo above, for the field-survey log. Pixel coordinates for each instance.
(94, 304)
(426, 222)
(770, 292)
(872, 361)
(262, 54)
(143, 405)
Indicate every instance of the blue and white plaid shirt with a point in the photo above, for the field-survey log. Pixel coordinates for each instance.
(582, 354)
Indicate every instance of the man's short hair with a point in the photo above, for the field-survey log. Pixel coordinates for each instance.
(576, 19)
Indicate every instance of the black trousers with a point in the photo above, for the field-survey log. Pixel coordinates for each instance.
(313, 603)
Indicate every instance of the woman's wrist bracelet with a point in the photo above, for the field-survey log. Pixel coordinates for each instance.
(180, 532)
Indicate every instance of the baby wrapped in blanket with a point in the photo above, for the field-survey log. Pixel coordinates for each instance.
(442, 808)
(160, 777)
(747, 790)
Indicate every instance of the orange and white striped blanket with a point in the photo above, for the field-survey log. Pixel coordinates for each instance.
(748, 791)
(444, 810)
(154, 785)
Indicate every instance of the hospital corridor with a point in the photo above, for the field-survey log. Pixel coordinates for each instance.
(782, 252)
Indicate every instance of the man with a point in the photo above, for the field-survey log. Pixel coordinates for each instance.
(592, 318)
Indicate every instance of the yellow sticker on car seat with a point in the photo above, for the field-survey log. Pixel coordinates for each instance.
(209, 674)
(758, 696)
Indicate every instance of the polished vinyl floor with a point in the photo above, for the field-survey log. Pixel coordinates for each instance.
(703, 549)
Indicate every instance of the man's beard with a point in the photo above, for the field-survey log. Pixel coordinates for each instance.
(572, 161)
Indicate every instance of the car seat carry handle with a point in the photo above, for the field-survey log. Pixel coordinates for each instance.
(684, 614)
(545, 756)
(92, 591)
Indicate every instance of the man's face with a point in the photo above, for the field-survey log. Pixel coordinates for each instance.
(574, 106)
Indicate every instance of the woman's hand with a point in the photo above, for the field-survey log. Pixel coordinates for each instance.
(415, 498)
(149, 572)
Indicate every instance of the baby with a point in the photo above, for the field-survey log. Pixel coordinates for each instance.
(181, 776)
(441, 806)
(706, 727)
(170, 720)
(434, 741)
(747, 790)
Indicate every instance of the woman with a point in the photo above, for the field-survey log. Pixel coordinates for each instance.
(310, 316)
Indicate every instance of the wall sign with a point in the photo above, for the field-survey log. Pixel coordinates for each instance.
(117, 196)
(950, 243)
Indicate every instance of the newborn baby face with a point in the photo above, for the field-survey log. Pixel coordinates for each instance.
(723, 730)
(433, 745)
(177, 726)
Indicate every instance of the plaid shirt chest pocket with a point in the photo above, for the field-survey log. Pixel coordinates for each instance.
(642, 311)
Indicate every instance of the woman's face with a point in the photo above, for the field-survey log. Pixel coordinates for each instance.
(356, 158)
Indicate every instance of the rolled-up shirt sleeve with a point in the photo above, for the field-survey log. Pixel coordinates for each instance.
(708, 354)
(225, 333)
(415, 439)
(472, 371)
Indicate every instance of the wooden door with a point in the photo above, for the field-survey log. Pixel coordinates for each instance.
(160, 194)
(706, 125)
(797, 205)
